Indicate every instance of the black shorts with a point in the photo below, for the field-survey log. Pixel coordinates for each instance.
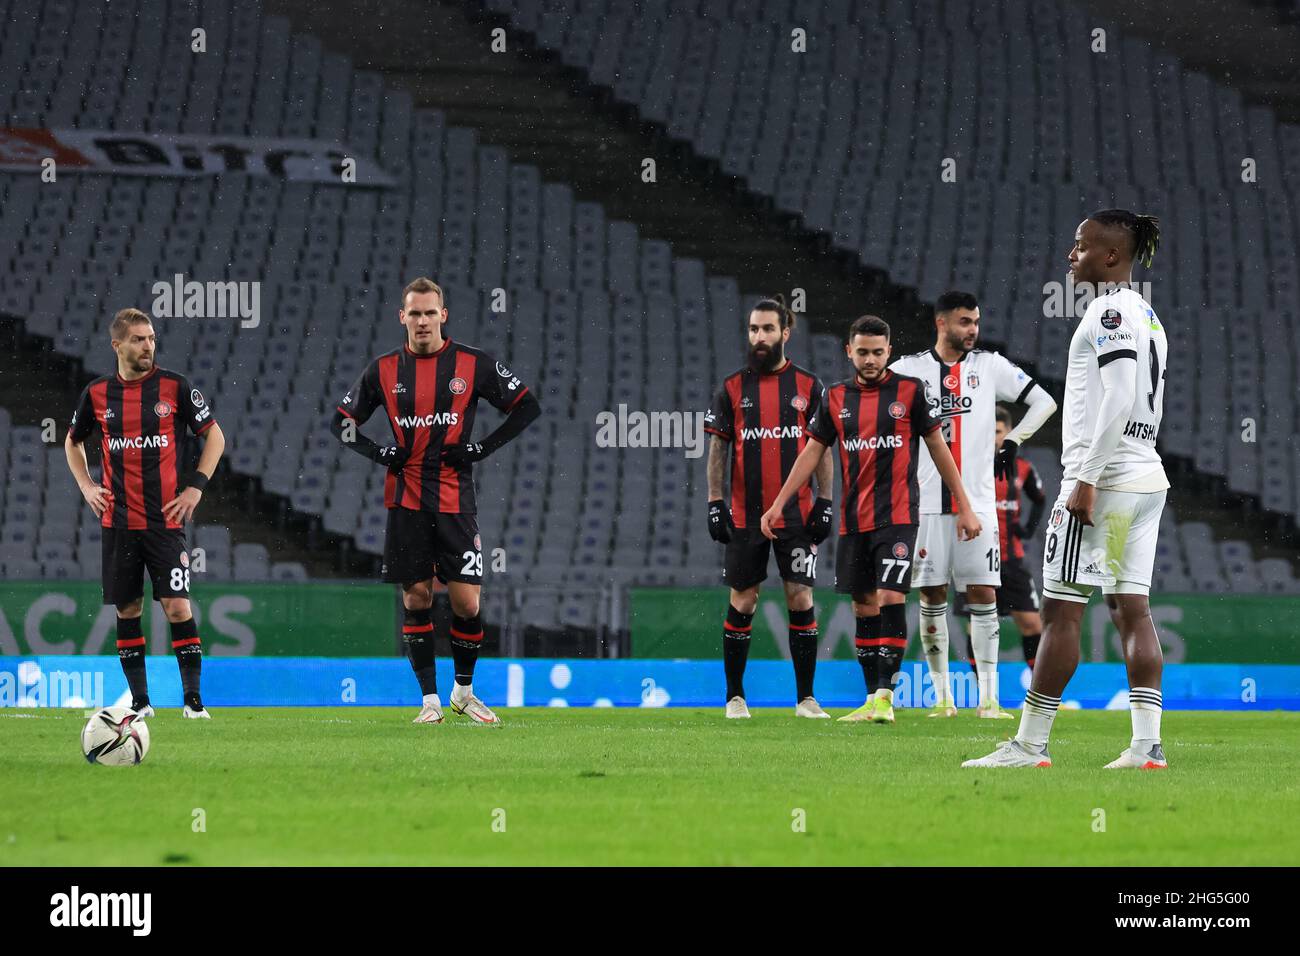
(1017, 593)
(871, 560)
(423, 544)
(744, 562)
(128, 554)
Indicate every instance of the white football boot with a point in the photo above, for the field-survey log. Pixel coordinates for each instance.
(467, 705)
(737, 709)
(1012, 753)
(1130, 759)
(808, 707)
(431, 712)
(190, 712)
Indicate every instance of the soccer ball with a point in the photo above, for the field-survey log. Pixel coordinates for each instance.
(115, 737)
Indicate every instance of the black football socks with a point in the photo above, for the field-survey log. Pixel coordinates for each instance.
(735, 650)
(130, 651)
(466, 637)
(417, 635)
(803, 651)
(188, 648)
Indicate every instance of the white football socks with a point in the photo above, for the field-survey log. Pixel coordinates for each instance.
(461, 693)
(1145, 705)
(1036, 719)
(934, 642)
(984, 637)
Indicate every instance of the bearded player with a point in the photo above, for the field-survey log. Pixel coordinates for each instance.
(142, 412)
(879, 418)
(1103, 528)
(759, 421)
(429, 390)
(963, 385)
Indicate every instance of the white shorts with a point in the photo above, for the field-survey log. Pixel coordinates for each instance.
(1116, 552)
(942, 559)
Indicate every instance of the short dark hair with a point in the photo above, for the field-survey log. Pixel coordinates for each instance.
(1003, 415)
(123, 321)
(869, 325)
(776, 303)
(956, 299)
(1144, 231)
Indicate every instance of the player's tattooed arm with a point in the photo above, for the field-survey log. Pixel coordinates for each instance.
(97, 496)
(720, 523)
(717, 466)
(968, 526)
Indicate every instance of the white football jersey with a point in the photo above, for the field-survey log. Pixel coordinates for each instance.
(964, 397)
(1119, 325)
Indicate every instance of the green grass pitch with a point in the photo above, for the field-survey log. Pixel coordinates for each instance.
(358, 786)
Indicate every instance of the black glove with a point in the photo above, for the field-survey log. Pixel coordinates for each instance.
(1004, 462)
(458, 456)
(392, 456)
(821, 520)
(720, 526)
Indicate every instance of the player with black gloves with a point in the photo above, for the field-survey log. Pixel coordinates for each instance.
(430, 389)
(758, 421)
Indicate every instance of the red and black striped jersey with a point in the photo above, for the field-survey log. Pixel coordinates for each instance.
(142, 427)
(879, 427)
(1009, 497)
(765, 417)
(430, 402)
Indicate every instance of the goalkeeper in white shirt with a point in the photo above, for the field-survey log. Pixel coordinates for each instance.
(1102, 530)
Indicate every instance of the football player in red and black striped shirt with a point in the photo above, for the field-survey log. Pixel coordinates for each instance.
(429, 390)
(143, 502)
(1017, 595)
(879, 418)
(762, 413)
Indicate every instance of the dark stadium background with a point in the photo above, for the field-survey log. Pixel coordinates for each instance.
(522, 170)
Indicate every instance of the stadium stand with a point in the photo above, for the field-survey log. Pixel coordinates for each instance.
(597, 316)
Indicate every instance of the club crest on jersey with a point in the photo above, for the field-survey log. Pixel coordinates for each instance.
(185, 560)
(162, 409)
(951, 381)
(897, 409)
(972, 380)
(922, 553)
(457, 386)
(1110, 319)
(900, 550)
(1058, 517)
(799, 403)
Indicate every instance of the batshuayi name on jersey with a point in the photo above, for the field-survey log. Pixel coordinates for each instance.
(964, 397)
(1119, 327)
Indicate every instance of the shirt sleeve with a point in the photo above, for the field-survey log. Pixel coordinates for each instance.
(1111, 334)
(1011, 382)
(816, 399)
(83, 419)
(923, 420)
(363, 397)
(719, 420)
(498, 385)
(821, 425)
(195, 410)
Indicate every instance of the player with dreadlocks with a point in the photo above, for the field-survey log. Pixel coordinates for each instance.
(1103, 528)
